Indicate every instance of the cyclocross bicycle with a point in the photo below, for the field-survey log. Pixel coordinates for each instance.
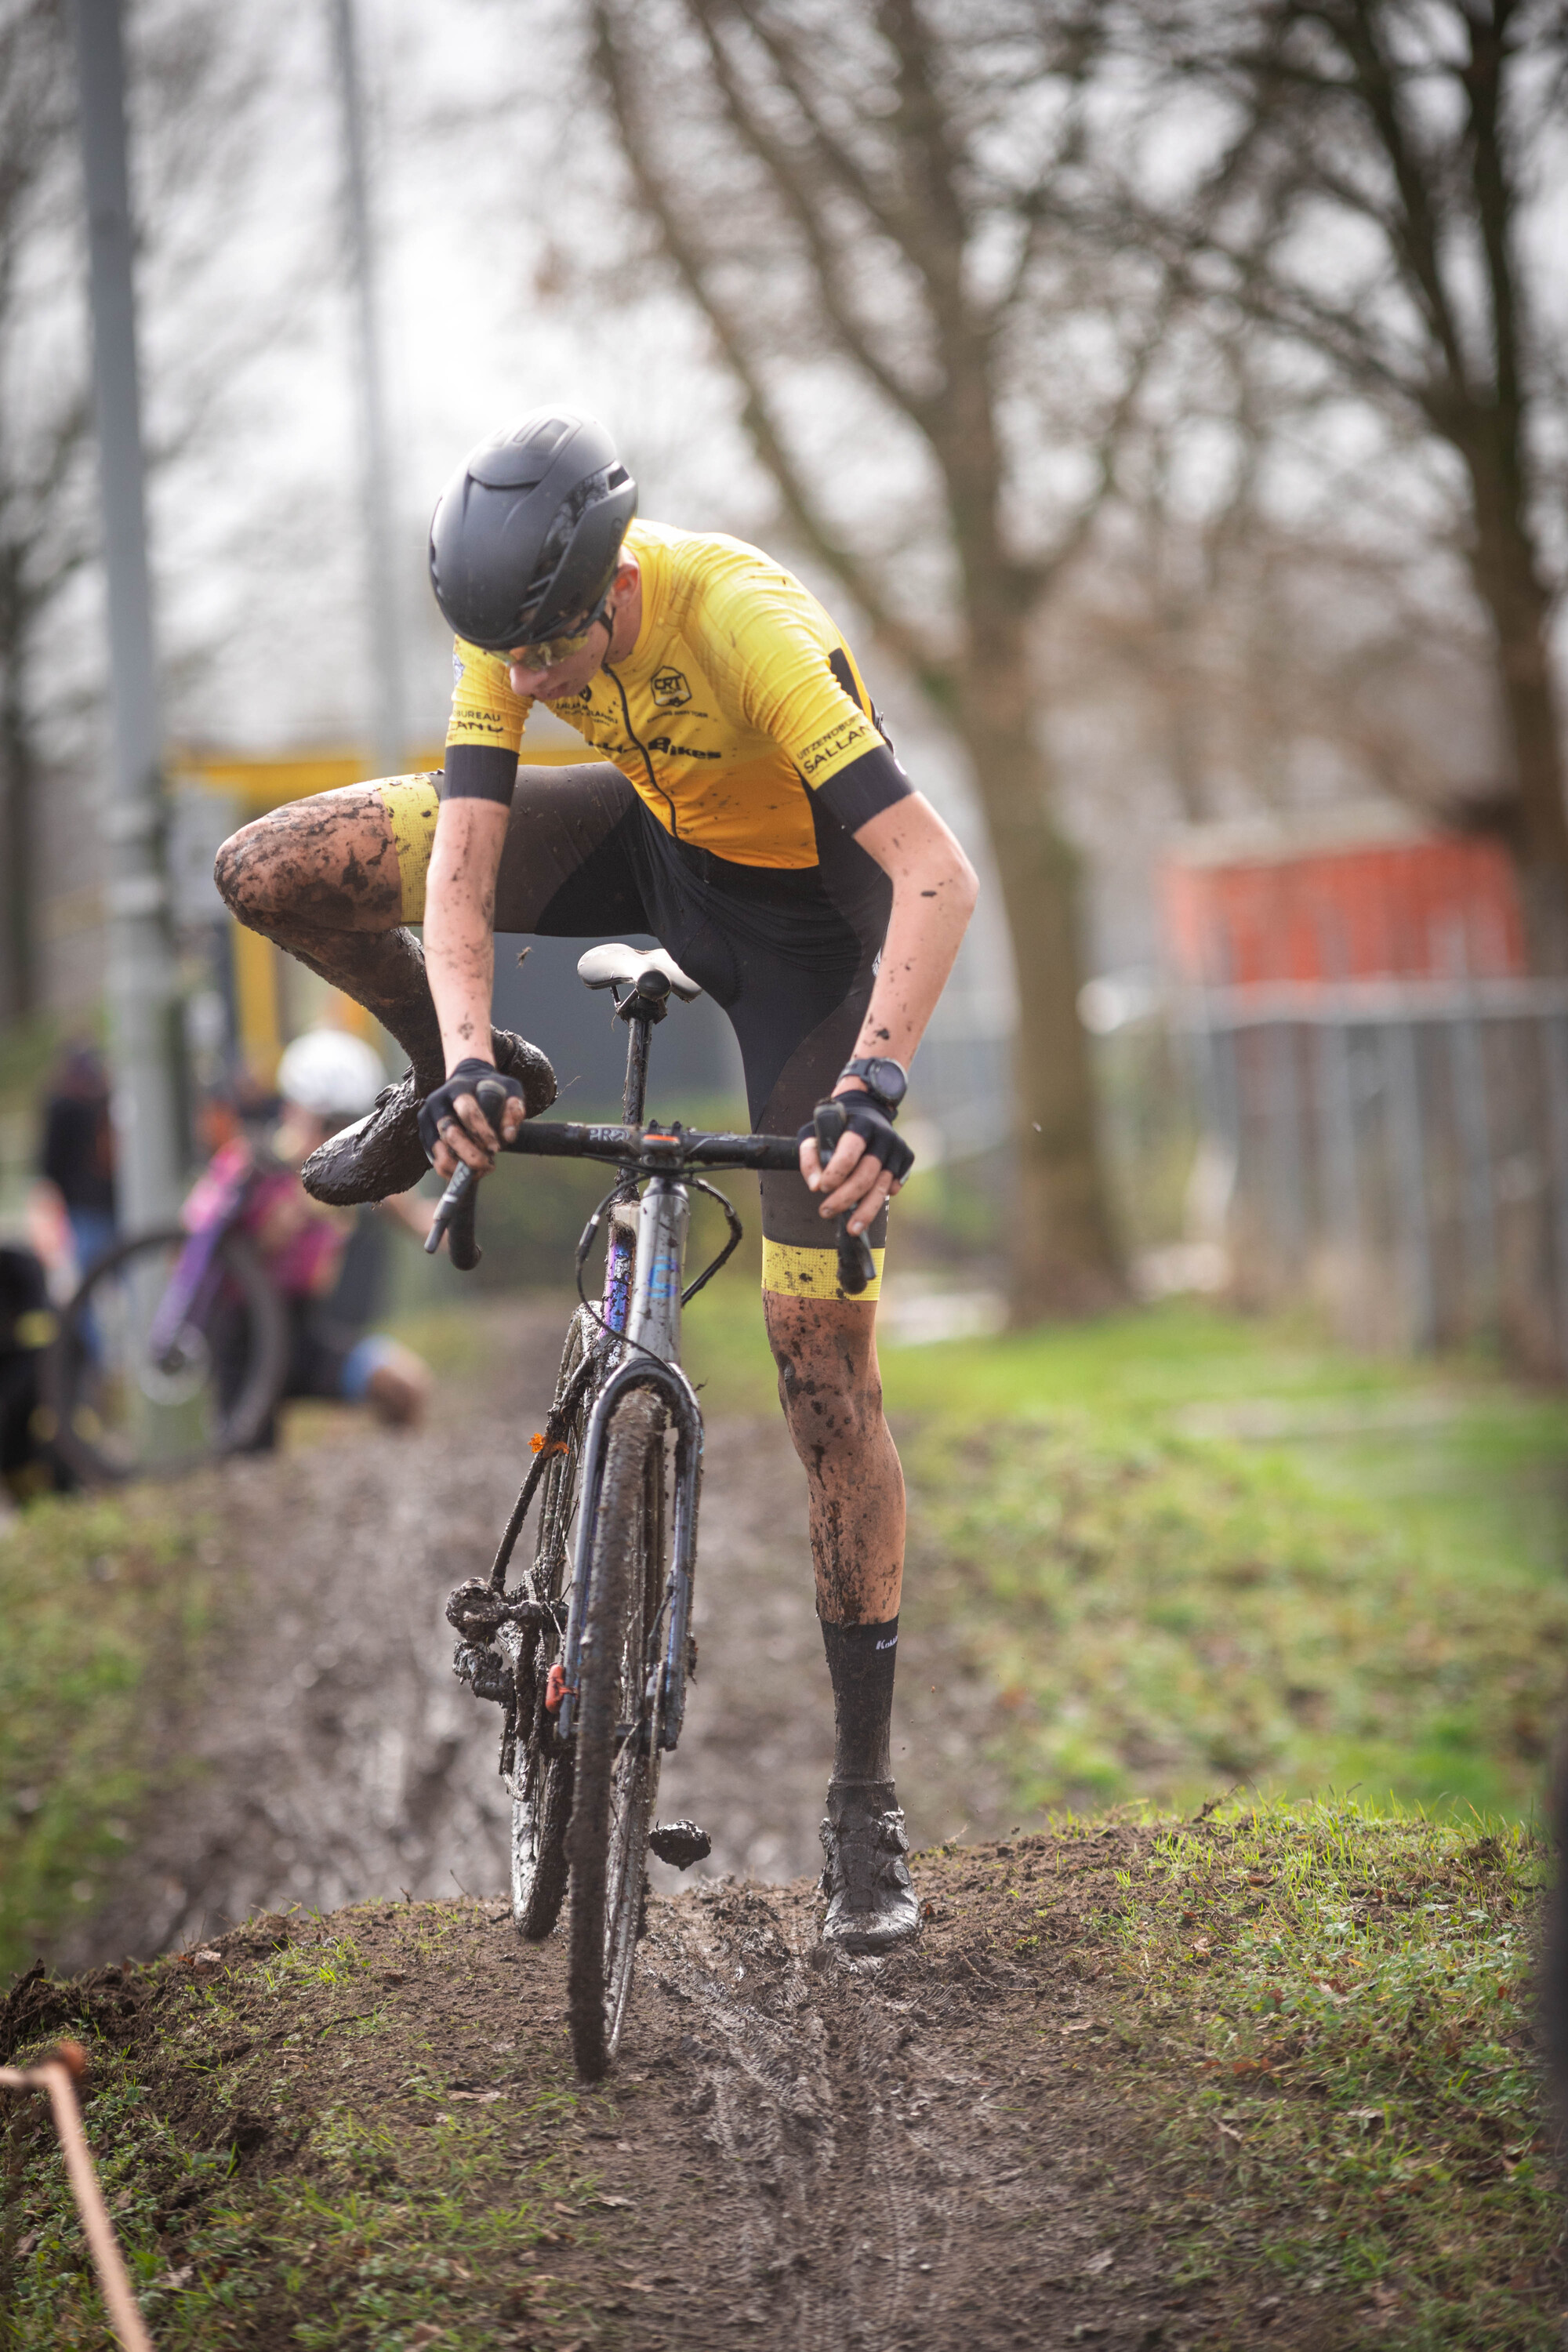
(588, 1656)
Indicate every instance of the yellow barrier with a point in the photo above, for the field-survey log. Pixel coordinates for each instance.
(259, 784)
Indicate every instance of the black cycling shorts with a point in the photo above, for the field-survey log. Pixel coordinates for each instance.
(790, 954)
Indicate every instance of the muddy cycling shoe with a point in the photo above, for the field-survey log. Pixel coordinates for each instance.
(871, 1902)
(381, 1154)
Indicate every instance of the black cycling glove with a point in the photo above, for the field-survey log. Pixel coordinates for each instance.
(441, 1102)
(858, 1113)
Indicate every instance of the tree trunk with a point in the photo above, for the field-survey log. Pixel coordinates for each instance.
(1063, 1260)
(1507, 581)
(18, 977)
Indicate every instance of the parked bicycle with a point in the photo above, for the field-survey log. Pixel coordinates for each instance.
(180, 1345)
(588, 1654)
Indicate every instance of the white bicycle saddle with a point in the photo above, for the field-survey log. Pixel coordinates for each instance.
(616, 966)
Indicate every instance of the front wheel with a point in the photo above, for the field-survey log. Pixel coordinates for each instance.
(541, 1776)
(127, 1400)
(618, 1724)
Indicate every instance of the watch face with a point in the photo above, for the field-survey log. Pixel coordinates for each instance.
(888, 1079)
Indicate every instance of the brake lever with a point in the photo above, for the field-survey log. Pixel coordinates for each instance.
(458, 1207)
(856, 1266)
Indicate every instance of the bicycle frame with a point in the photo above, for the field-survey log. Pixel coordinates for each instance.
(189, 1291)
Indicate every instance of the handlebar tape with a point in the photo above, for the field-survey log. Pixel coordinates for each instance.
(462, 1241)
(856, 1266)
(458, 1207)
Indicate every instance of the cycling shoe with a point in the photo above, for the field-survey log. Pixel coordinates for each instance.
(381, 1154)
(871, 1901)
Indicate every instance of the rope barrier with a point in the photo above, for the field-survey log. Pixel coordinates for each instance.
(58, 2077)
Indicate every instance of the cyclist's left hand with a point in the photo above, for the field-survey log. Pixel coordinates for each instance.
(868, 1165)
(453, 1127)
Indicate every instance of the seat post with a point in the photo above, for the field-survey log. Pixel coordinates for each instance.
(635, 1095)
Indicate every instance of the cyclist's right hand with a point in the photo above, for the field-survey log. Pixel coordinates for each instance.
(453, 1127)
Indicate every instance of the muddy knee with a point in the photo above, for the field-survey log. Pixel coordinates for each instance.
(331, 860)
(832, 1406)
(242, 871)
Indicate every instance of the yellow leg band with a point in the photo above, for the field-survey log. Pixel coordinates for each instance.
(413, 806)
(790, 1271)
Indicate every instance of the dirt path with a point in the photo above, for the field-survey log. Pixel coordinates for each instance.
(950, 2147)
(330, 1756)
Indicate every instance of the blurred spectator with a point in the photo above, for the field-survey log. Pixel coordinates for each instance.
(77, 1155)
(27, 1328)
(327, 1263)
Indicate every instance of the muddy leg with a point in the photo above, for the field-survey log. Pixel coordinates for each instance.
(831, 1391)
(321, 878)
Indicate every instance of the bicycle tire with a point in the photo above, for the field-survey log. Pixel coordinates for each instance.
(617, 1732)
(542, 1771)
(111, 1423)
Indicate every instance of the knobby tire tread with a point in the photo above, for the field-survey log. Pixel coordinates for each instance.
(618, 1584)
(535, 1914)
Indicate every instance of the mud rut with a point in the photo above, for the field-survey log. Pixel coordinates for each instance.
(327, 1754)
(869, 2159)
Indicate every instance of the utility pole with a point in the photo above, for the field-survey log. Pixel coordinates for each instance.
(388, 735)
(141, 978)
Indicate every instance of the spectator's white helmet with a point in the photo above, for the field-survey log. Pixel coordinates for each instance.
(330, 1073)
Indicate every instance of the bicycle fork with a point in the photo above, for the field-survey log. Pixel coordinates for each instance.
(653, 1341)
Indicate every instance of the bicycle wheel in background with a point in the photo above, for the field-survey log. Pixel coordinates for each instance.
(618, 1730)
(120, 1409)
(541, 1772)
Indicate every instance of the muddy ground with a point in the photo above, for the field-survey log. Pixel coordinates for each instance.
(950, 2148)
(329, 1754)
(309, 2121)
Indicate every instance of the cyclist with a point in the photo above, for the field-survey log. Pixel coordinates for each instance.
(326, 1262)
(742, 804)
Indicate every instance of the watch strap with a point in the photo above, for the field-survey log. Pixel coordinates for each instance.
(861, 1068)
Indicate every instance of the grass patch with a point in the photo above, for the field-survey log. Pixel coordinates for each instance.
(103, 1602)
(296, 2154)
(1373, 1596)
(1332, 2010)
(1187, 1548)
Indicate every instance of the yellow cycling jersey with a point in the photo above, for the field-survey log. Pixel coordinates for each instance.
(739, 700)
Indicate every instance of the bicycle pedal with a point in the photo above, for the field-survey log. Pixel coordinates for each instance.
(680, 1843)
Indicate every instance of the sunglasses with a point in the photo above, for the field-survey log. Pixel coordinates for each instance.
(543, 653)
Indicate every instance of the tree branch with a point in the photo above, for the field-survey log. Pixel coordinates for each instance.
(905, 643)
(799, 188)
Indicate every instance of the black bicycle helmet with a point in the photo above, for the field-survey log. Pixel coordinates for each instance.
(526, 536)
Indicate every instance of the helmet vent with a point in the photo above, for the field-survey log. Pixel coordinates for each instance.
(543, 440)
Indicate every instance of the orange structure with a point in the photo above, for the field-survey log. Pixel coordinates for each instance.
(1440, 907)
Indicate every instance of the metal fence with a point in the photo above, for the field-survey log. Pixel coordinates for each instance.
(1399, 1151)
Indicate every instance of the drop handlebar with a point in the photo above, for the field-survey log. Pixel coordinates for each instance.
(649, 1151)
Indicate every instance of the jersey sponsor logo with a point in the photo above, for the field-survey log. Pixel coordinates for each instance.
(838, 740)
(680, 750)
(670, 689)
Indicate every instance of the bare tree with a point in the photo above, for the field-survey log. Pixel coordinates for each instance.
(1366, 201)
(43, 535)
(198, 78)
(1255, 646)
(853, 194)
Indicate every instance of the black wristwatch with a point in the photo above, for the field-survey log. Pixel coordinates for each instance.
(886, 1081)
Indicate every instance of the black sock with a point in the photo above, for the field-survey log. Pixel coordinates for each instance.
(861, 1662)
